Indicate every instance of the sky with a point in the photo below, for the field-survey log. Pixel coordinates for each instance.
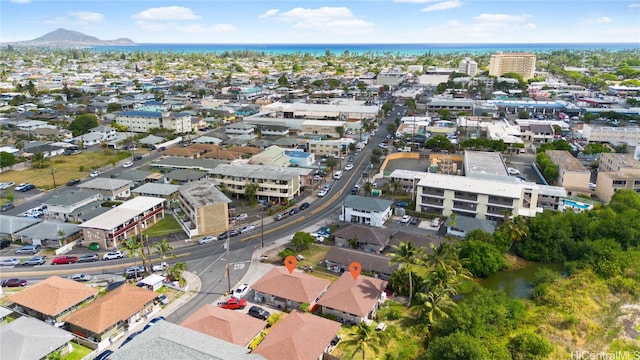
(328, 22)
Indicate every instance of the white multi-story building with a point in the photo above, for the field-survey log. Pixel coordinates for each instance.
(366, 210)
(143, 121)
(611, 134)
(468, 66)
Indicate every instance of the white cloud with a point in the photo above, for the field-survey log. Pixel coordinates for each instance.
(86, 17)
(500, 18)
(634, 6)
(269, 13)
(169, 13)
(20, 1)
(483, 28)
(416, 1)
(440, 6)
(600, 20)
(338, 20)
(200, 29)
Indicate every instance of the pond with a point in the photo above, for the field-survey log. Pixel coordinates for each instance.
(517, 282)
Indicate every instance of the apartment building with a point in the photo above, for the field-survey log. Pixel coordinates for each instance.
(126, 220)
(475, 197)
(572, 175)
(274, 183)
(70, 205)
(453, 105)
(322, 127)
(616, 172)
(468, 66)
(143, 121)
(610, 134)
(519, 63)
(390, 78)
(203, 208)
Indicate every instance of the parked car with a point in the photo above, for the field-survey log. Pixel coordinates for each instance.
(233, 304)
(73, 182)
(513, 171)
(14, 283)
(242, 217)
(247, 229)
(405, 219)
(207, 239)
(88, 258)
(154, 321)
(64, 259)
(80, 277)
(112, 255)
(381, 326)
(95, 173)
(94, 246)
(163, 299)
(294, 211)
(233, 233)
(7, 206)
(28, 249)
(25, 187)
(258, 312)
(127, 164)
(4, 244)
(6, 185)
(414, 221)
(103, 355)
(304, 206)
(129, 338)
(133, 272)
(322, 193)
(241, 291)
(137, 157)
(160, 267)
(36, 260)
(9, 262)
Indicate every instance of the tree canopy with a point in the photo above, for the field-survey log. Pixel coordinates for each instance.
(82, 123)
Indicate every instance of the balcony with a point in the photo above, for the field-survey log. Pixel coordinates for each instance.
(434, 192)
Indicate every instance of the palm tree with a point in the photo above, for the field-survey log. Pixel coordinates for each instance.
(514, 229)
(331, 163)
(61, 236)
(340, 131)
(433, 305)
(134, 247)
(175, 271)
(363, 336)
(163, 248)
(407, 256)
(38, 160)
(367, 187)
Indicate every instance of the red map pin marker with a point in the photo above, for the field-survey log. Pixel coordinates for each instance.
(354, 269)
(290, 262)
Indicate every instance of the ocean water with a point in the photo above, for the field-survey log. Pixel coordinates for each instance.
(373, 49)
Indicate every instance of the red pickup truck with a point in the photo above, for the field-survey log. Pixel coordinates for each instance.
(64, 259)
(233, 304)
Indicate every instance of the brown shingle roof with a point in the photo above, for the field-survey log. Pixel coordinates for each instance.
(366, 234)
(228, 325)
(118, 305)
(181, 151)
(351, 296)
(245, 149)
(222, 154)
(296, 286)
(299, 336)
(203, 147)
(53, 295)
(369, 261)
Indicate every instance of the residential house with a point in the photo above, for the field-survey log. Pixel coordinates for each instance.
(362, 237)
(10, 225)
(271, 156)
(69, 205)
(110, 189)
(353, 300)
(537, 133)
(49, 233)
(184, 176)
(165, 191)
(284, 290)
(338, 260)
(274, 183)
(119, 310)
(168, 341)
(26, 338)
(52, 299)
(239, 128)
(232, 326)
(204, 209)
(366, 210)
(460, 226)
(187, 152)
(123, 221)
(299, 336)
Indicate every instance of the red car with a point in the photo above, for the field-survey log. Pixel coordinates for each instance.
(233, 304)
(14, 283)
(64, 259)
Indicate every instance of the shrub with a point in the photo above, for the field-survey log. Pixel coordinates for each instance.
(286, 252)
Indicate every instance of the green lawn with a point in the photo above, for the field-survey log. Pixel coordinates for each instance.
(79, 352)
(168, 225)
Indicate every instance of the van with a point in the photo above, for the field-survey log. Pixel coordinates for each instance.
(337, 175)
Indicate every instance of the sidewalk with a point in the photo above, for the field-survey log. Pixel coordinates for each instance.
(193, 286)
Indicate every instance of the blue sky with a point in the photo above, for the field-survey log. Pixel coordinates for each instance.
(334, 21)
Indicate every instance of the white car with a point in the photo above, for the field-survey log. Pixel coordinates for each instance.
(513, 171)
(80, 277)
(592, 186)
(383, 145)
(9, 262)
(127, 164)
(242, 217)
(405, 219)
(207, 239)
(95, 173)
(247, 229)
(348, 167)
(116, 254)
(322, 193)
(6, 185)
(241, 291)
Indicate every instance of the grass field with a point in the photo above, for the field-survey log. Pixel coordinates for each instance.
(166, 226)
(66, 168)
(79, 352)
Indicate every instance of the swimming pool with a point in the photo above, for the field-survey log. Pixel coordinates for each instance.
(577, 205)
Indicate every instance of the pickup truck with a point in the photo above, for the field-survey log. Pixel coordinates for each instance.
(160, 267)
(233, 303)
(64, 259)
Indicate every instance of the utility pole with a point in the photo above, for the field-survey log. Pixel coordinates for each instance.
(226, 245)
(262, 228)
(53, 171)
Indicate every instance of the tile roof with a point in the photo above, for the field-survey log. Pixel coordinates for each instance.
(298, 336)
(117, 305)
(53, 295)
(356, 297)
(228, 325)
(296, 286)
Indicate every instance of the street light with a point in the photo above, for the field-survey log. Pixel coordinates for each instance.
(261, 216)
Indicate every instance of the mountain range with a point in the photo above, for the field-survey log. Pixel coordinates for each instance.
(70, 38)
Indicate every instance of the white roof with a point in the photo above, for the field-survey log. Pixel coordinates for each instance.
(120, 214)
(474, 185)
